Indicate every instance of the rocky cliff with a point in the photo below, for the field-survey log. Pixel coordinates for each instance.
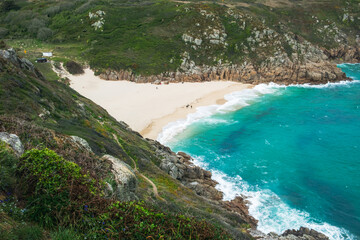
(131, 168)
(258, 52)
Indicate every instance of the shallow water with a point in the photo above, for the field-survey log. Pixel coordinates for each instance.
(293, 151)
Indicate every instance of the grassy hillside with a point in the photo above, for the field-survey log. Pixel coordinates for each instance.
(147, 37)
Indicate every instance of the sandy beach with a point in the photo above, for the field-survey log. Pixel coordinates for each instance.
(147, 108)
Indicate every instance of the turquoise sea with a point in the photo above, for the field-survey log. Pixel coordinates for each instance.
(293, 151)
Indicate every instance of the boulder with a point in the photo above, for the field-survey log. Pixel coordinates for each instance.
(239, 205)
(125, 178)
(305, 233)
(301, 234)
(13, 141)
(81, 142)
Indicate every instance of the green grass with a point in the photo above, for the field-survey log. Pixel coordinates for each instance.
(65, 234)
(46, 70)
(146, 37)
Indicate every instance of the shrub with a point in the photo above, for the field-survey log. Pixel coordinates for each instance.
(59, 194)
(20, 231)
(44, 33)
(3, 45)
(74, 67)
(52, 11)
(3, 32)
(64, 234)
(8, 5)
(50, 183)
(35, 25)
(8, 163)
(85, 7)
(28, 232)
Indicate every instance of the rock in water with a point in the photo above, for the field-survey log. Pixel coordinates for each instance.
(14, 142)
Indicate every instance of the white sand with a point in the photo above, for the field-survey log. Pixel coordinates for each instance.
(147, 108)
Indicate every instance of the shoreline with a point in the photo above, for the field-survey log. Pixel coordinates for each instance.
(156, 126)
(213, 97)
(146, 107)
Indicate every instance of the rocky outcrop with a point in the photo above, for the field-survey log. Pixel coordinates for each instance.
(179, 166)
(315, 73)
(345, 53)
(301, 234)
(316, 66)
(305, 233)
(13, 141)
(23, 63)
(81, 142)
(239, 205)
(125, 179)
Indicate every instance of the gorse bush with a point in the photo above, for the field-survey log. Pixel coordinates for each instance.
(8, 163)
(50, 171)
(44, 33)
(28, 232)
(53, 10)
(74, 67)
(3, 32)
(59, 194)
(35, 25)
(51, 184)
(8, 5)
(64, 234)
(22, 232)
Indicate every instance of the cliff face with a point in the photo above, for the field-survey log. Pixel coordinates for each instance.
(233, 44)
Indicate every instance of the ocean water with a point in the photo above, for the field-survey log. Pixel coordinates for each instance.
(293, 151)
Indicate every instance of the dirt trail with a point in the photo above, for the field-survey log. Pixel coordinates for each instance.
(155, 190)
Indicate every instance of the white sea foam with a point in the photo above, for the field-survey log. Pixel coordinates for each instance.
(273, 214)
(234, 101)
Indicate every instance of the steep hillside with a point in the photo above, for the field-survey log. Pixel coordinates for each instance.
(248, 41)
(68, 170)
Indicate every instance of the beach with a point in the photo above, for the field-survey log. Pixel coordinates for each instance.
(147, 107)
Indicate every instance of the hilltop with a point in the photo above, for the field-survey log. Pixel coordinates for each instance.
(249, 41)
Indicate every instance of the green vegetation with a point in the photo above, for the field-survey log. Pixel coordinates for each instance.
(8, 163)
(57, 186)
(55, 190)
(73, 67)
(59, 194)
(65, 234)
(46, 70)
(8, 5)
(146, 37)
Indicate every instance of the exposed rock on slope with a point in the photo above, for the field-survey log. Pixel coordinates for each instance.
(124, 177)
(260, 52)
(301, 234)
(13, 141)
